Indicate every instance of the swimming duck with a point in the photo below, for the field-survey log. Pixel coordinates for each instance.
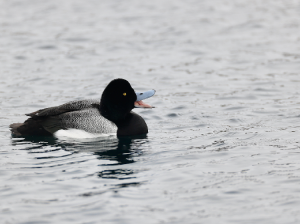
(111, 115)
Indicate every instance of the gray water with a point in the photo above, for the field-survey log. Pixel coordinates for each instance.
(223, 143)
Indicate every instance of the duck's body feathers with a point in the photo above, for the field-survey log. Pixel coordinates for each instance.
(64, 108)
(112, 114)
(83, 115)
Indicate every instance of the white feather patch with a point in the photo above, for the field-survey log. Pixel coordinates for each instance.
(76, 133)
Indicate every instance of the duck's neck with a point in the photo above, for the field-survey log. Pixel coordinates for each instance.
(129, 124)
(110, 113)
(133, 124)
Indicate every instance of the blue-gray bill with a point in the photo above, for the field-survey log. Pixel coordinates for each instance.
(141, 96)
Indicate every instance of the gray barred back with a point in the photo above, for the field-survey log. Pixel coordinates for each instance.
(83, 115)
(89, 120)
(67, 107)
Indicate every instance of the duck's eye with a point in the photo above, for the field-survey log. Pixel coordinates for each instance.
(124, 94)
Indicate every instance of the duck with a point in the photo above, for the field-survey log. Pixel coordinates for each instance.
(112, 114)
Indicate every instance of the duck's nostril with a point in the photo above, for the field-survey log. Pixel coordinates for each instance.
(141, 93)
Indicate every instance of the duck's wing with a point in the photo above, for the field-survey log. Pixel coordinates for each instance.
(87, 119)
(67, 107)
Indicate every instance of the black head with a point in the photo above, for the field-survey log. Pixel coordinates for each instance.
(117, 100)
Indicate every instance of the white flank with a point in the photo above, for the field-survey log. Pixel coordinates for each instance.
(76, 133)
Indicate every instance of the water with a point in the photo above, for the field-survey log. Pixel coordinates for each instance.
(223, 143)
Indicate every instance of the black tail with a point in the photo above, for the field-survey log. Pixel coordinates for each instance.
(31, 127)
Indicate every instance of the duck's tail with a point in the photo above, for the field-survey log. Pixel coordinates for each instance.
(31, 127)
(14, 129)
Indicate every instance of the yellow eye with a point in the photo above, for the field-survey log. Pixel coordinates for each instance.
(124, 94)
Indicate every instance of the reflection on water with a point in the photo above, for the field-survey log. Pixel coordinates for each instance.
(118, 150)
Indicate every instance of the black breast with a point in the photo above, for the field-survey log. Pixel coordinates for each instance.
(133, 124)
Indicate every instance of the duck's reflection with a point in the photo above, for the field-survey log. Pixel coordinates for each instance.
(118, 150)
(122, 150)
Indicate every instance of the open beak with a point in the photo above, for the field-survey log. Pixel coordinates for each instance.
(141, 96)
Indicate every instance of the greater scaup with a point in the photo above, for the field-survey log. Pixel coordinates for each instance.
(111, 115)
